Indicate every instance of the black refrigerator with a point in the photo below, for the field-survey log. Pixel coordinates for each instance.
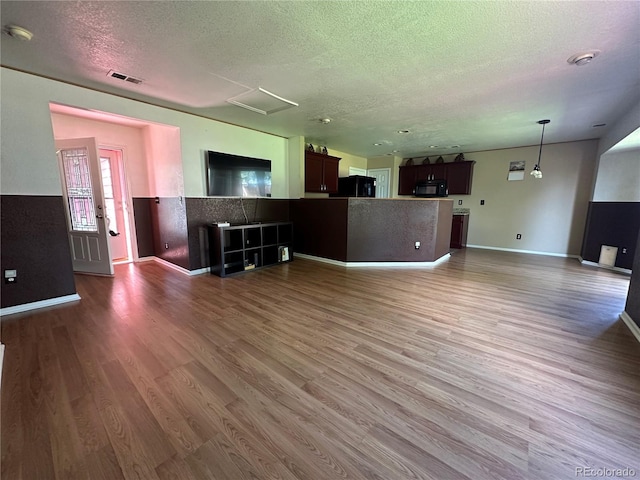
(356, 186)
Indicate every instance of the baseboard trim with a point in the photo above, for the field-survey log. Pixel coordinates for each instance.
(531, 252)
(628, 321)
(374, 264)
(180, 269)
(50, 302)
(626, 271)
(200, 271)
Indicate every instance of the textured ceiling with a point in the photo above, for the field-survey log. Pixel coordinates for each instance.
(474, 74)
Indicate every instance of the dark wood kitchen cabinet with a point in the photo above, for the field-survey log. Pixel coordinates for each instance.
(407, 179)
(457, 174)
(320, 173)
(459, 229)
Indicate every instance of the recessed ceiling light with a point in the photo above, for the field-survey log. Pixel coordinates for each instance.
(583, 58)
(454, 146)
(433, 146)
(404, 131)
(324, 121)
(377, 144)
(598, 125)
(18, 33)
(394, 151)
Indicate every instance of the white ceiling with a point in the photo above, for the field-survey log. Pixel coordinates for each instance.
(474, 74)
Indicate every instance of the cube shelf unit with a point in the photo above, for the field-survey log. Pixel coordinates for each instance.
(240, 248)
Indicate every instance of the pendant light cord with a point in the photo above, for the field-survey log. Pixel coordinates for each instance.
(543, 123)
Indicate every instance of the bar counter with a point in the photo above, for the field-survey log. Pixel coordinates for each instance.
(372, 229)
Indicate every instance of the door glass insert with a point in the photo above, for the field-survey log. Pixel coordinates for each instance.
(77, 174)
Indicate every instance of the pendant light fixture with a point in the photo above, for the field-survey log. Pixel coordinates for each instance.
(536, 172)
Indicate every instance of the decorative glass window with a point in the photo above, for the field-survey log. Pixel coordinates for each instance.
(77, 173)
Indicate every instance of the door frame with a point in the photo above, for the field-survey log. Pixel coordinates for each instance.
(132, 238)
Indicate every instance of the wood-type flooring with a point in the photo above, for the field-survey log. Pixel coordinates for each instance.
(490, 365)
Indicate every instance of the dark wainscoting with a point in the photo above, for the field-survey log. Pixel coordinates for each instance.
(205, 211)
(144, 225)
(169, 223)
(320, 227)
(612, 223)
(633, 297)
(35, 242)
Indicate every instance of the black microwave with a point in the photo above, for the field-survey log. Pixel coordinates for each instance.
(431, 188)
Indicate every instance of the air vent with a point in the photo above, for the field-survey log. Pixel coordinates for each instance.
(122, 76)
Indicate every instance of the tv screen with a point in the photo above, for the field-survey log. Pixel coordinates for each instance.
(237, 176)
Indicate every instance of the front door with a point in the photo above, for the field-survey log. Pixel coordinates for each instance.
(84, 201)
(382, 181)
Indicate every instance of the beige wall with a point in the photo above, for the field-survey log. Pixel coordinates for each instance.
(347, 161)
(165, 163)
(549, 213)
(618, 177)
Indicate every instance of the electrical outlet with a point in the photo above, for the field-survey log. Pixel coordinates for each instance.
(166, 246)
(10, 276)
(519, 236)
(417, 245)
(459, 202)
(481, 202)
(624, 250)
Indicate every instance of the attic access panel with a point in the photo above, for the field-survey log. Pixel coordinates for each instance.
(262, 101)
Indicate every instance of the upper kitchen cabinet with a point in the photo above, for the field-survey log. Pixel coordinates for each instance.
(457, 174)
(320, 173)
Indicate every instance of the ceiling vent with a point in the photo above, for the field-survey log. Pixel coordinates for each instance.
(123, 77)
(262, 101)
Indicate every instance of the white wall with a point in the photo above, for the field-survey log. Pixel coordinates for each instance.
(549, 213)
(29, 164)
(618, 177)
(129, 139)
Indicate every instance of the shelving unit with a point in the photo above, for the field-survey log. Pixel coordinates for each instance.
(240, 248)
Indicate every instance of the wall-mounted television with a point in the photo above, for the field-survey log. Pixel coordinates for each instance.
(236, 176)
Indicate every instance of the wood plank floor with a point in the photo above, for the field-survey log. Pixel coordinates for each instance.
(489, 366)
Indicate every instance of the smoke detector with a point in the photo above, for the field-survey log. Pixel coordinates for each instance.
(583, 58)
(18, 33)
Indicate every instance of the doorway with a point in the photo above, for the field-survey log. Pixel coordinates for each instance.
(117, 205)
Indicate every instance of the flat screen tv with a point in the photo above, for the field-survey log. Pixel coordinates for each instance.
(237, 176)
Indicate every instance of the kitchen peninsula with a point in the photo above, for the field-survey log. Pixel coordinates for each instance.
(351, 230)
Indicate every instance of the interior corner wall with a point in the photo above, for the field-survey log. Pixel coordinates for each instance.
(107, 134)
(295, 158)
(633, 297)
(618, 177)
(348, 160)
(626, 124)
(549, 213)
